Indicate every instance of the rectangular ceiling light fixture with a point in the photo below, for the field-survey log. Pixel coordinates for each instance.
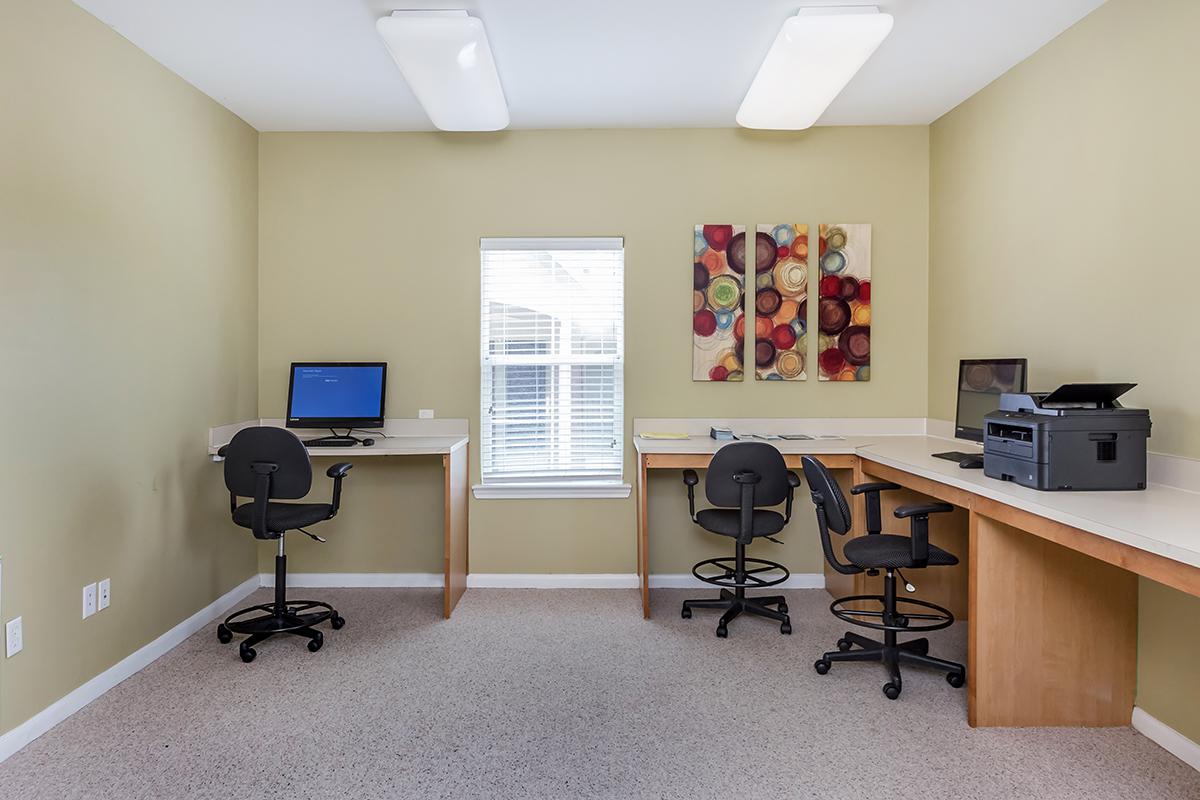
(814, 56)
(446, 59)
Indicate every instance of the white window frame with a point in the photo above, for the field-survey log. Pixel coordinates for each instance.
(552, 486)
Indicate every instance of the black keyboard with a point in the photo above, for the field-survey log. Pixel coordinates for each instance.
(330, 441)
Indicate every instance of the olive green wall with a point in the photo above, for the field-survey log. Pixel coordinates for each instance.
(128, 296)
(386, 227)
(1063, 227)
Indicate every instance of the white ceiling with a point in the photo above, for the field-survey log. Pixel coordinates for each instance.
(319, 64)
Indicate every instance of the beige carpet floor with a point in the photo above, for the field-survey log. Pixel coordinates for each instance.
(557, 694)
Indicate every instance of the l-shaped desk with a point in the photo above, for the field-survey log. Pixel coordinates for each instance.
(1047, 580)
(407, 437)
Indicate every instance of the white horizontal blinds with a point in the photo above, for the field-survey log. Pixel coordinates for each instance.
(552, 352)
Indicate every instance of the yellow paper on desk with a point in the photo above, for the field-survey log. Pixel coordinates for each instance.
(666, 436)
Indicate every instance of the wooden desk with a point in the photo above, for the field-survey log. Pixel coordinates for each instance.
(1048, 583)
(406, 437)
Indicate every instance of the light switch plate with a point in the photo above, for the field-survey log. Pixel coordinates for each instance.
(425, 413)
(105, 594)
(12, 637)
(89, 600)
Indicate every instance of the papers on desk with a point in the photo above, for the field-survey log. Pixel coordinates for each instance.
(791, 437)
(664, 436)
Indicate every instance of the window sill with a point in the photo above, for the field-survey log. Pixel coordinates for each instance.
(550, 491)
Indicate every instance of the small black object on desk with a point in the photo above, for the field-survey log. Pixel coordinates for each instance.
(965, 460)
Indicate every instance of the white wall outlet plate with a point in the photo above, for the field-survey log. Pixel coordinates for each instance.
(425, 413)
(105, 594)
(89, 600)
(12, 637)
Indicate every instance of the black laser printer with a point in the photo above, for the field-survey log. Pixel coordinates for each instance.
(1077, 437)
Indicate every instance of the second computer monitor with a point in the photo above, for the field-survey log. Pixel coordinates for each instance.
(981, 381)
(336, 395)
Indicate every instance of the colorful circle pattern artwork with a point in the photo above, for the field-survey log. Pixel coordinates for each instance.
(718, 289)
(844, 309)
(781, 302)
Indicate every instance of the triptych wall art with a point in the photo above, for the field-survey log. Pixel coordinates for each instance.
(779, 343)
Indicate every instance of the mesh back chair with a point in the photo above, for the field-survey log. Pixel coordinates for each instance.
(269, 464)
(871, 553)
(742, 479)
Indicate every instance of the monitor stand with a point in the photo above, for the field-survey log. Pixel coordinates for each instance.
(333, 440)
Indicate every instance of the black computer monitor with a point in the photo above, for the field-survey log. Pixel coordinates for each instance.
(980, 383)
(336, 395)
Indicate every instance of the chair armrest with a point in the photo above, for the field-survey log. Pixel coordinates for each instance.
(879, 486)
(922, 509)
(339, 470)
(691, 479)
(872, 490)
(793, 482)
(222, 450)
(918, 514)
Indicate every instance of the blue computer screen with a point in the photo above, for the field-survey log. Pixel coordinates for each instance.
(335, 392)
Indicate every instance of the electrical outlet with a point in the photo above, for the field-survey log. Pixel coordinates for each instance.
(89, 600)
(425, 413)
(12, 637)
(105, 591)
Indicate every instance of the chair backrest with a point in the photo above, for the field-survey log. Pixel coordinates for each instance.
(827, 495)
(293, 477)
(757, 457)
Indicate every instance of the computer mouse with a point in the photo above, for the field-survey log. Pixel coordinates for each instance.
(971, 463)
(368, 442)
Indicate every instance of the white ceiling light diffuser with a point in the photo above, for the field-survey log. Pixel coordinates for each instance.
(446, 59)
(814, 56)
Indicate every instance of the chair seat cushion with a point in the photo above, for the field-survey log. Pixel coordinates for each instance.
(284, 516)
(728, 521)
(884, 551)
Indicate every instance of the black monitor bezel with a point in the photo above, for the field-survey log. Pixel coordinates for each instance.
(966, 432)
(336, 422)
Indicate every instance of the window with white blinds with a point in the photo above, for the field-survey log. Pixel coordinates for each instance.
(552, 356)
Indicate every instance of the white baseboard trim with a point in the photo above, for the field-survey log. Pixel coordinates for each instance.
(358, 580)
(61, 709)
(513, 580)
(1167, 738)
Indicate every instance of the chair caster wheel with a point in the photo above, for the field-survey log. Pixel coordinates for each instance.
(822, 666)
(337, 623)
(722, 632)
(224, 635)
(891, 691)
(686, 613)
(314, 644)
(843, 645)
(785, 628)
(247, 653)
(956, 679)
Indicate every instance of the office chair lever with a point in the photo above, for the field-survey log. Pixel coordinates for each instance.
(908, 587)
(312, 536)
(773, 539)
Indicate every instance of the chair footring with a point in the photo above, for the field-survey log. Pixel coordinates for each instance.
(753, 569)
(924, 617)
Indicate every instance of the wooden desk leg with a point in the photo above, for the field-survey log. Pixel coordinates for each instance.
(643, 550)
(1052, 633)
(455, 465)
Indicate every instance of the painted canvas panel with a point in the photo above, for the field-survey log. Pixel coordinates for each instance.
(781, 302)
(844, 311)
(718, 316)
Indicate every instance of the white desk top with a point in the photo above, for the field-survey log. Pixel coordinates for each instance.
(1160, 519)
(399, 438)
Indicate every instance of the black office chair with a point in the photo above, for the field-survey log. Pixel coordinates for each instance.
(266, 464)
(874, 552)
(742, 478)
